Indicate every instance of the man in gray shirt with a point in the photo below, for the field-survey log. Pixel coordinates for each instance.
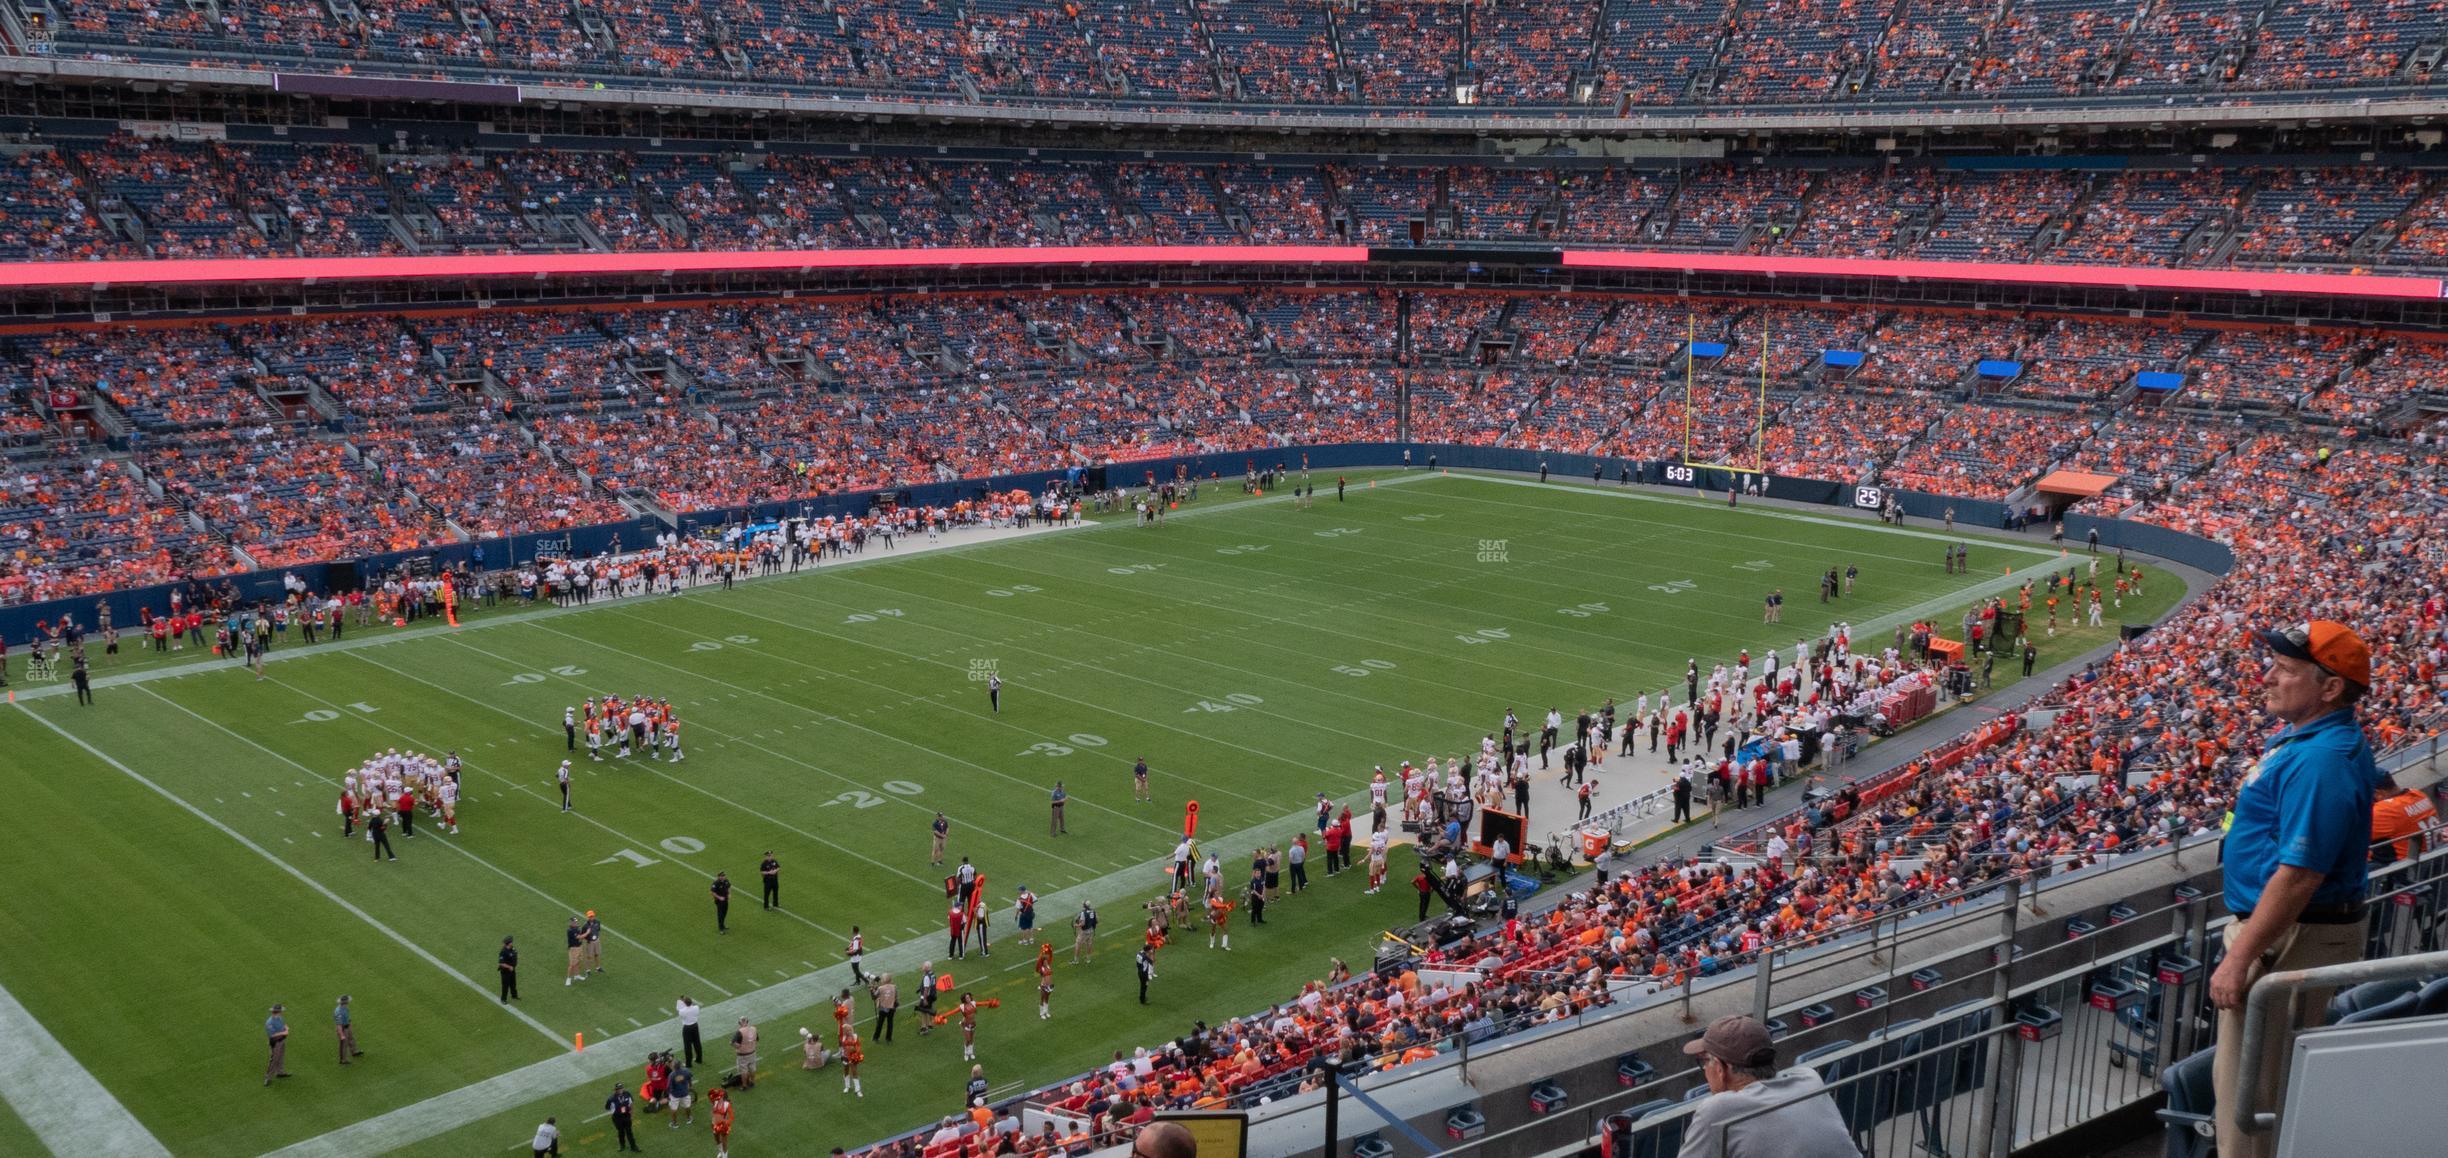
(276, 1031)
(1755, 1111)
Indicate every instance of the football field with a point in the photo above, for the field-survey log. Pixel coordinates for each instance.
(177, 864)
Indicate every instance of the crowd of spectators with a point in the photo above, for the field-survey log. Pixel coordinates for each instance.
(1862, 213)
(2144, 218)
(2082, 360)
(327, 198)
(287, 499)
(481, 473)
(175, 190)
(163, 378)
(1985, 452)
(2144, 747)
(43, 214)
(1175, 54)
(1932, 351)
(2398, 370)
(2314, 215)
(226, 199)
(74, 527)
(2267, 369)
(501, 422)
(1402, 54)
(1523, 52)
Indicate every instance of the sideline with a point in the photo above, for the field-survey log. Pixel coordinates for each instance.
(906, 547)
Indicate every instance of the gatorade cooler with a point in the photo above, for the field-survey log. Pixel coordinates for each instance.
(1593, 842)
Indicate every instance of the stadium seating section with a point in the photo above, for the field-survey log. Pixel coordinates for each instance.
(264, 436)
(1324, 53)
(129, 197)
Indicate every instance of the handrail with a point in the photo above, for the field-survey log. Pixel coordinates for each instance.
(2264, 1002)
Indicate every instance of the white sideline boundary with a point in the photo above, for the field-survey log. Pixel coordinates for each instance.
(60, 1100)
(303, 877)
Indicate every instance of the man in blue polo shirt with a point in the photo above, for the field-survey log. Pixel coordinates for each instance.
(2294, 854)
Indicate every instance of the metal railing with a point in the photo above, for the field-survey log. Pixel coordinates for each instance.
(2264, 1015)
(2036, 1041)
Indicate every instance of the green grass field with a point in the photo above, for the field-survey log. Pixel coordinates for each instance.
(179, 867)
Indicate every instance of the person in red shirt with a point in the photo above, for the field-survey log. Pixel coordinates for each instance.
(348, 808)
(407, 812)
(956, 920)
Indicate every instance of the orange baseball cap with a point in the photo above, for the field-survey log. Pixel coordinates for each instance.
(2333, 646)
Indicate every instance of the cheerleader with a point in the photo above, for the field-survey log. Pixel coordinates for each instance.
(851, 1056)
(968, 1009)
(1045, 982)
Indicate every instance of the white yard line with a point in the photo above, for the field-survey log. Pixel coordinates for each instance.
(293, 870)
(454, 846)
(67, 1108)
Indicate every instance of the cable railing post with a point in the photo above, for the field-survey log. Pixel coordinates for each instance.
(1761, 985)
(2001, 989)
(2007, 1065)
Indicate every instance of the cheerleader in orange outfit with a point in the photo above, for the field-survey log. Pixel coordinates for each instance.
(722, 1123)
(852, 1055)
(967, 1009)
